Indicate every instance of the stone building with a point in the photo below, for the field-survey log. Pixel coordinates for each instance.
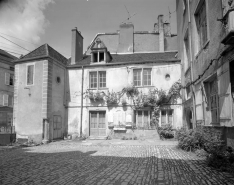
(205, 44)
(6, 91)
(55, 97)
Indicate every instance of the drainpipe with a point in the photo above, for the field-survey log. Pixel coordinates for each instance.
(81, 111)
(191, 65)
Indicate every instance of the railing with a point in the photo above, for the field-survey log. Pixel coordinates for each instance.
(7, 129)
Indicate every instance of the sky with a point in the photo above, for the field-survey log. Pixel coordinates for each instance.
(37, 22)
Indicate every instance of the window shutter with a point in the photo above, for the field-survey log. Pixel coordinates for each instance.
(225, 101)
(7, 78)
(5, 99)
(10, 101)
(1, 99)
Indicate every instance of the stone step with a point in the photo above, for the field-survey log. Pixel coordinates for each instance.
(97, 137)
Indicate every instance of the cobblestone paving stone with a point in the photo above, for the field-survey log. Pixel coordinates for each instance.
(72, 163)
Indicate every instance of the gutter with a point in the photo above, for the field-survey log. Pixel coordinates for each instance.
(124, 63)
(81, 111)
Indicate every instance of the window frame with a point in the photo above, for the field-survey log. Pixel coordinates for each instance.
(27, 65)
(142, 76)
(98, 80)
(5, 100)
(149, 116)
(201, 44)
(98, 56)
(167, 116)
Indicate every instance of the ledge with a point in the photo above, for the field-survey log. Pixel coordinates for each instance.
(119, 128)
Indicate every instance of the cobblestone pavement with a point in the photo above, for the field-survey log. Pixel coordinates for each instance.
(73, 163)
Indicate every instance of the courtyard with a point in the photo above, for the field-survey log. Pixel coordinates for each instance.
(108, 162)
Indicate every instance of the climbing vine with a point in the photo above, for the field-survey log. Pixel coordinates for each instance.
(154, 99)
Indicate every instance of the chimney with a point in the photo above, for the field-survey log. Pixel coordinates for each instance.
(156, 27)
(167, 29)
(126, 38)
(161, 33)
(76, 47)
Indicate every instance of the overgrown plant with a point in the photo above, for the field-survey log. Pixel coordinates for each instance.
(111, 98)
(94, 95)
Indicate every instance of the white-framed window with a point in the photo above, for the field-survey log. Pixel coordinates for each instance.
(9, 79)
(98, 56)
(142, 77)
(5, 99)
(97, 79)
(142, 118)
(201, 24)
(30, 74)
(166, 117)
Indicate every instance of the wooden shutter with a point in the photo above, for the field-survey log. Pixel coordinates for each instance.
(5, 99)
(225, 101)
(7, 78)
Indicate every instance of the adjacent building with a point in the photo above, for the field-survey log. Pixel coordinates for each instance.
(205, 43)
(55, 97)
(6, 91)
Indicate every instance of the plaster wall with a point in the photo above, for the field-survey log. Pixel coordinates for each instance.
(30, 101)
(117, 77)
(58, 96)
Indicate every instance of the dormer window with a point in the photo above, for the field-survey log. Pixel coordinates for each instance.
(99, 53)
(99, 56)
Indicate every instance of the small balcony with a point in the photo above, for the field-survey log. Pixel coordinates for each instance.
(229, 36)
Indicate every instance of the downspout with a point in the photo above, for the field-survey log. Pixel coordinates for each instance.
(191, 65)
(81, 111)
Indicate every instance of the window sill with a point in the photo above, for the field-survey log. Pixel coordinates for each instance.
(98, 89)
(144, 86)
(203, 48)
(102, 62)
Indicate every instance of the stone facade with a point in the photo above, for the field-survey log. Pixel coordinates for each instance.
(205, 49)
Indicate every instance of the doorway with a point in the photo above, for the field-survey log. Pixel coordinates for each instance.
(97, 123)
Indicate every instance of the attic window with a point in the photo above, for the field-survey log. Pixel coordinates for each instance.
(95, 57)
(101, 56)
(98, 56)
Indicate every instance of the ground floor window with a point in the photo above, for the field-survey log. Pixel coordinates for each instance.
(142, 118)
(6, 121)
(166, 117)
(97, 123)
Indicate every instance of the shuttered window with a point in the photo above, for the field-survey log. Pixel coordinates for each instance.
(5, 99)
(7, 78)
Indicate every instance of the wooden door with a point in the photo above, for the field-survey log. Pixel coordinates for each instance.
(57, 127)
(98, 123)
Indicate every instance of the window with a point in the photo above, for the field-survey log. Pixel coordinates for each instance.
(5, 99)
(213, 100)
(99, 56)
(142, 77)
(10, 100)
(143, 118)
(9, 79)
(30, 74)
(166, 117)
(97, 79)
(201, 22)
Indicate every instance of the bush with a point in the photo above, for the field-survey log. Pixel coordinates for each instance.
(166, 132)
(218, 155)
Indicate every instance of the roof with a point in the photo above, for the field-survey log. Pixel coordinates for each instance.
(44, 51)
(6, 57)
(134, 58)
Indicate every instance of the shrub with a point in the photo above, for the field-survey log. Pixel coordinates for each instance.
(166, 132)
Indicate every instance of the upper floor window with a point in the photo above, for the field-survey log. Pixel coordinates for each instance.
(97, 79)
(98, 56)
(142, 77)
(201, 23)
(30, 74)
(9, 79)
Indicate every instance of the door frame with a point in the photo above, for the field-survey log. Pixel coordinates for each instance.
(89, 115)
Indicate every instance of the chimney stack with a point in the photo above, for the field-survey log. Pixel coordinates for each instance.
(167, 29)
(76, 47)
(161, 33)
(126, 38)
(156, 27)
